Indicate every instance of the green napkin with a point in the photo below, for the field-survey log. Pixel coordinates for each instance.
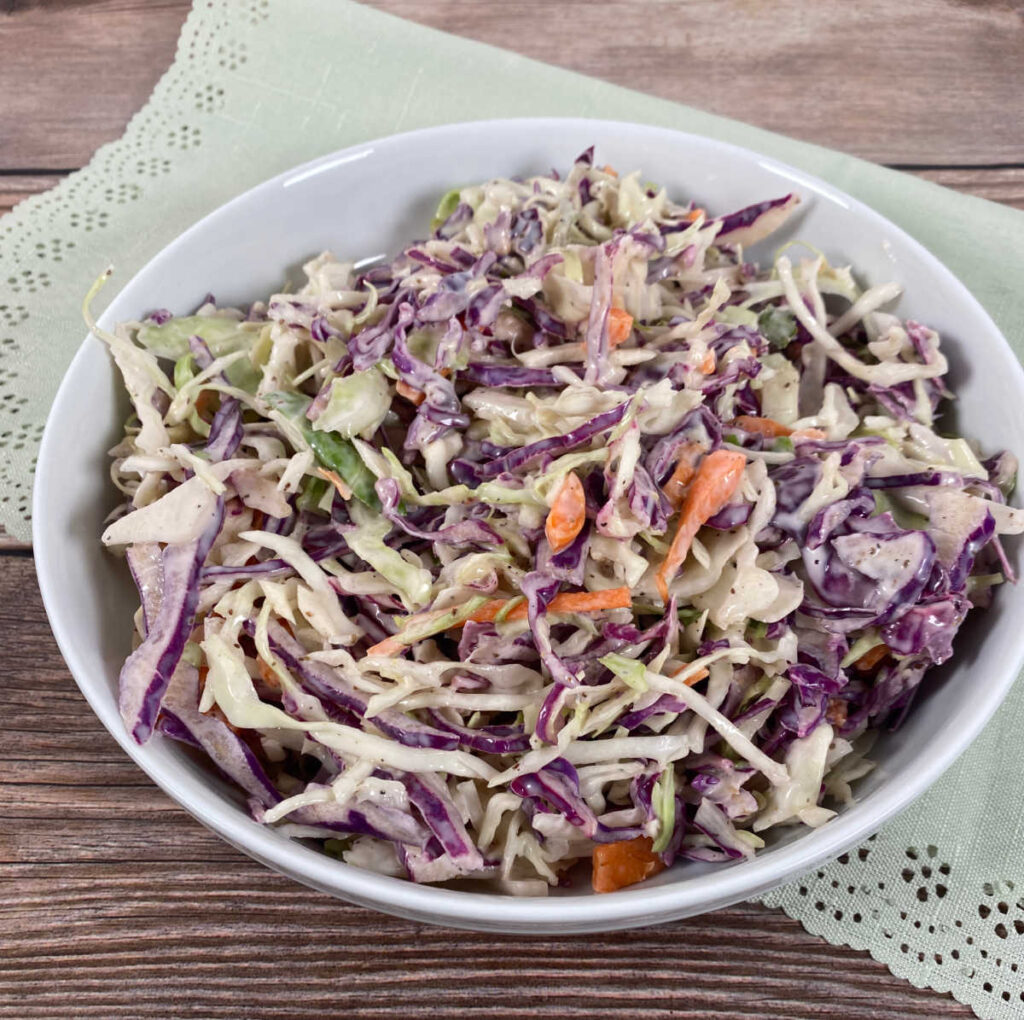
(261, 85)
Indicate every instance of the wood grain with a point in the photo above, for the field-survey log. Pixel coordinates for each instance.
(926, 81)
(1000, 184)
(71, 74)
(115, 900)
(923, 81)
(16, 187)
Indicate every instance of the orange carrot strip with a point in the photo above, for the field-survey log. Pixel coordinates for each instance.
(685, 469)
(390, 646)
(871, 658)
(717, 478)
(582, 602)
(695, 214)
(771, 429)
(610, 170)
(567, 515)
(336, 480)
(692, 681)
(709, 364)
(403, 389)
(566, 602)
(394, 643)
(205, 404)
(767, 427)
(617, 865)
(488, 612)
(217, 713)
(267, 674)
(620, 325)
(835, 711)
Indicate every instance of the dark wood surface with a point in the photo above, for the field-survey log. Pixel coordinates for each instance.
(919, 82)
(113, 902)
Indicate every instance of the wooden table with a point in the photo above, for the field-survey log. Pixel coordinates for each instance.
(113, 902)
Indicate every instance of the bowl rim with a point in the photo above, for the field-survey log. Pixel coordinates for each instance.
(635, 906)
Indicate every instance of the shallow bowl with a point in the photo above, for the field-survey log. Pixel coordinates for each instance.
(372, 199)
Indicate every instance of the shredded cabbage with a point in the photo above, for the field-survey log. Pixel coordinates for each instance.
(438, 562)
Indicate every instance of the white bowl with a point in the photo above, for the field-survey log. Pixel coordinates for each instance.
(371, 199)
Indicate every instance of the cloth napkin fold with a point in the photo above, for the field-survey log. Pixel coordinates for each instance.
(258, 86)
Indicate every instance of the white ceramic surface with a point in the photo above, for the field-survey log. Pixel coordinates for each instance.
(371, 199)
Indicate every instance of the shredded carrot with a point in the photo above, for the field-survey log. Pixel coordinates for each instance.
(620, 325)
(717, 478)
(767, 427)
(566, 602)
(216, 712)
(267, 674)
(390, 646)
(871, 658)
(692, 681)
(771, 429)
(410, 392)
(617, 865)
(709, 364)
(206, 404)
(835, 711)
(695, 214)
(685, 469)
(336, 480)
(567, 515)
(403, 389)
(610, 170)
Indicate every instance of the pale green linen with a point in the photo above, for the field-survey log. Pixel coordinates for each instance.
(259, 86)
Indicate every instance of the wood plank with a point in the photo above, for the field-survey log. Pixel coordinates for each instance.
(1004, 184)
(114, 898)
(877, 79)
(112, 895)
(73, 72)
(127, 943)
(15, 187)
(881, 80)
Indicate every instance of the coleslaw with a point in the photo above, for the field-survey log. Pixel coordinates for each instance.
(566, 535)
